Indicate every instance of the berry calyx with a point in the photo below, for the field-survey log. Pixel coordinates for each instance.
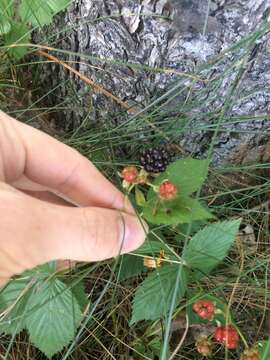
(204, 309)
(203, 346)
(250, 355)
(130, 174)
(227, 335)
(167, 191)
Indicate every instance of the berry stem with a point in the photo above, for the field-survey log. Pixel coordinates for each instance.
(154, 187)
(229, 320)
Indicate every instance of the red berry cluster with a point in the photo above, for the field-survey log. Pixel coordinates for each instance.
(204, 308)
(167, 191)
(227, 335)
(130, 174)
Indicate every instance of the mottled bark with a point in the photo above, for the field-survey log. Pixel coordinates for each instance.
(171, 35)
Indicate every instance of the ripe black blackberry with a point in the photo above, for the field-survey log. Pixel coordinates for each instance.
(155, 160)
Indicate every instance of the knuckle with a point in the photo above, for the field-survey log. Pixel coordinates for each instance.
(67, 184)
(91, 232)
(100, 233)
(12, 152)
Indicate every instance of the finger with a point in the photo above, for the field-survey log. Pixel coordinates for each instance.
(41, 192)
(93, 234)
(48, 196)
(34, 232)
(23, 183)
(66, 171)
(56, 166)
(65, 264)
(4, 281)
(53, 199)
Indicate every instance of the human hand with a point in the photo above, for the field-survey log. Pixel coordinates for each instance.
(37, 225)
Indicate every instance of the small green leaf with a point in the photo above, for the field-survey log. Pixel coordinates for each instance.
(187, 174)
(154, 295)
(139, 197)
(181, 210)
(210, 245)
(19, 34)
(40, 12)
(13, 305)
(130, 266)
(54, 316)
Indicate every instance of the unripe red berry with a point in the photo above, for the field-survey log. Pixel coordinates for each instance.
(167, 190)
(250, 355)
(227, 335)
(204, 308)
(130, 174)
(203, 346)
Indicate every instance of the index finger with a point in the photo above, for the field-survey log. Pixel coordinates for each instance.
(56, 166)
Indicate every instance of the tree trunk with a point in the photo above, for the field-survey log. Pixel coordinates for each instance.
(138, 49)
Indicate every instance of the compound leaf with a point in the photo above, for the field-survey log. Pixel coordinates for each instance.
(154, 295)
(54, 316)
(210, 245)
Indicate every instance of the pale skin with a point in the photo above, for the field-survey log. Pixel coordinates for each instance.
(40, 179)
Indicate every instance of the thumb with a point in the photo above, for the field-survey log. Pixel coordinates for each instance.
(91, 233)
(34, 232)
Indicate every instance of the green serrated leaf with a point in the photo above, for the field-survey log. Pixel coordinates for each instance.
(54, 316)
(19, 34)
(40, 12)
(46, 269)
(210, 245)
(181, 210)
(13, 305)
(189, 229)
(130, 266)
(187, 174)
(78, 290)
(154, 295)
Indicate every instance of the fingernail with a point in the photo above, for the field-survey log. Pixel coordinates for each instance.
(134, 232)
